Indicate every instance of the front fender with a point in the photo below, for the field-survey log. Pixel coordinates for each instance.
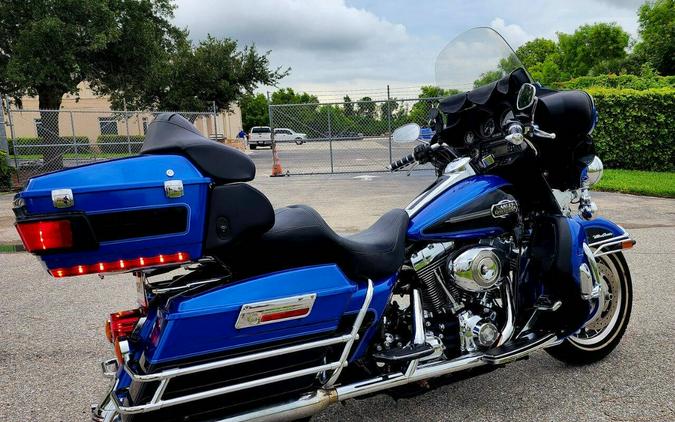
(605, 236)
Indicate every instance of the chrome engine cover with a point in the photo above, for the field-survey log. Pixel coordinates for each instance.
(477, 269)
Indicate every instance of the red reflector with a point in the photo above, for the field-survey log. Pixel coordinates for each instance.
(121, 265)
(284, 314)
(45, 235)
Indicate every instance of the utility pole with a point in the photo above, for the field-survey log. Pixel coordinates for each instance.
(389, 121)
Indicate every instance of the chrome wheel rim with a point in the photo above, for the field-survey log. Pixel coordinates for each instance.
(603, 326)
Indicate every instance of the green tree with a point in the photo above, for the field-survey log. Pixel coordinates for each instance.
(536, 51)
(289, 96)
(366, 107)
(589, 46)
(254, 111)
(48, 47)
(349, 106)
(215, 71)
(657, 35)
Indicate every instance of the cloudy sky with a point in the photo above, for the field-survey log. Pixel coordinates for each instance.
(360, 46)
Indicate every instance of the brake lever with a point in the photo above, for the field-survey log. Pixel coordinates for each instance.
(542, 134)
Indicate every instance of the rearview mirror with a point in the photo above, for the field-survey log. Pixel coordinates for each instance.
(526, 96)
(406, 133)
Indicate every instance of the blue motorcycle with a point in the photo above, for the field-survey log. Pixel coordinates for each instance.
(250, 313)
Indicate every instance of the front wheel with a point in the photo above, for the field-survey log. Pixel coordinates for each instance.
(599, 338)
(299, 141)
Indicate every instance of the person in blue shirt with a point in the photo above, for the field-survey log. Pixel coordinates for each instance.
(241, 134)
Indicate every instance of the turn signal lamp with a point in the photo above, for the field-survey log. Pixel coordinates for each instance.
(121, 265)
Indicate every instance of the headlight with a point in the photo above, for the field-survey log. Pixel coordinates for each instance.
(592, 173)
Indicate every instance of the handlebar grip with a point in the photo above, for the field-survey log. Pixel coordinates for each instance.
(410, 158)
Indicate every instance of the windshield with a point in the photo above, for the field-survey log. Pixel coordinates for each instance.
(474, 58)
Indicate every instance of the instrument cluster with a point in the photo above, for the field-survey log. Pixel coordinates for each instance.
(488, 126)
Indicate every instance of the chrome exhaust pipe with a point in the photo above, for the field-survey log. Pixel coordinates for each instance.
(306, 406)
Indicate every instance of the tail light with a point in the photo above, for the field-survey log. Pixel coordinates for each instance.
(40, 236)
(121, 265)
(119, 327)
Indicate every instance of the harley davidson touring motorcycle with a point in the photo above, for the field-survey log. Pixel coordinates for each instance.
(250, 313)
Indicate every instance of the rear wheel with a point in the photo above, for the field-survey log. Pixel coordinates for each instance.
(252, 146)
(299, 141)
(600, 337)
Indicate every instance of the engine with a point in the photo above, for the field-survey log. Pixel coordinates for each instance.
(464, 290)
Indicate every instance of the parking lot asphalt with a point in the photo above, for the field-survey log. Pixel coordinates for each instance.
(52, 336)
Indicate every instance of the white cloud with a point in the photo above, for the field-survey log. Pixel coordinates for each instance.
(328, 25)
(514, 34)
(343, 45)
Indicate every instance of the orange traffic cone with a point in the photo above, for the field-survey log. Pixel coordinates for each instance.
(277, 170)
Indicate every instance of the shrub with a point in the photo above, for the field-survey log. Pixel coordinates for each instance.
(618, 81)
(37, 146)
(636, 129)
(120, 144)
(5, 173)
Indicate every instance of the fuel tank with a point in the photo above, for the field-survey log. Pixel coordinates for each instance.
(474, 207)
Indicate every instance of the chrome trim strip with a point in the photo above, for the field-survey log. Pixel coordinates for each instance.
(459, 170)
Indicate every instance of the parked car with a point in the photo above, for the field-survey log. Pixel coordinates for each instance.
(349, 135)
(285, 134)
(260, 136)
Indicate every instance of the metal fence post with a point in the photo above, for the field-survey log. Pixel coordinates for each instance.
(389, 121)
(330, 141)
(72, 128)
(215, 121)
(11, 135)
(126, 123)
(4, 145)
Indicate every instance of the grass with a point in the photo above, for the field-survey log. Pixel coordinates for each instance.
(651, 183)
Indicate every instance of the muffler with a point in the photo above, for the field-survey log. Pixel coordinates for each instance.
(306, 406)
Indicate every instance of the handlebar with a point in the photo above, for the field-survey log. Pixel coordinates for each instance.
(408, 159)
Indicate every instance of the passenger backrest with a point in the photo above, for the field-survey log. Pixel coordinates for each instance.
(236, 211)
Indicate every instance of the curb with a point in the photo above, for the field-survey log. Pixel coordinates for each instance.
(12, 248)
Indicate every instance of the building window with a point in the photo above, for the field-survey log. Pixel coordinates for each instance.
(108, 125)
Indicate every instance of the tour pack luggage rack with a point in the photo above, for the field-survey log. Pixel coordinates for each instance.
(163, 377)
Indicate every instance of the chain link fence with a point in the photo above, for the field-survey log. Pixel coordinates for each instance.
(41, 141)
(344, 137)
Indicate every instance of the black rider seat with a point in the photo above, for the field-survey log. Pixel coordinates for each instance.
(300, 237)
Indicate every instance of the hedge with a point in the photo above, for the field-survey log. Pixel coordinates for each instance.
(119, 144)
(37, 146)
(5, 173)
(618, 81)
(636, 129)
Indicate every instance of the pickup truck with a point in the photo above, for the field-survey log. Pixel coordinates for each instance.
(260, 136)
(285, 134)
